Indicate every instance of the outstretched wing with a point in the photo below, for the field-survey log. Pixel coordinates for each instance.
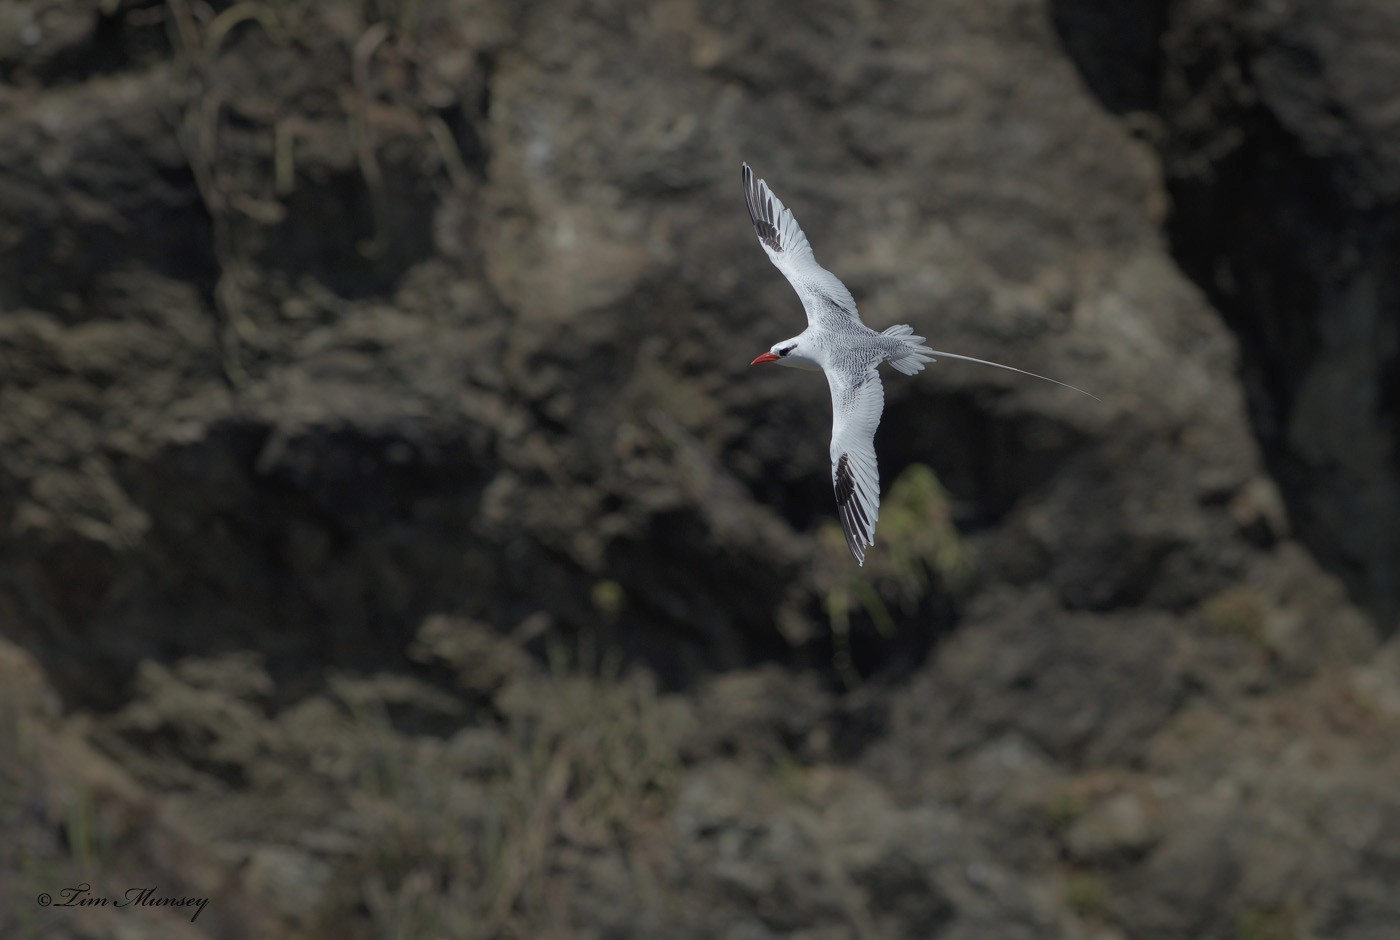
(857, 400)
(823, 295)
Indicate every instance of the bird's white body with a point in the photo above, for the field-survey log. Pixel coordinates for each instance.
(848, 351)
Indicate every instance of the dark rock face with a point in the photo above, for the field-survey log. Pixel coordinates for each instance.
(395, 540)
(1281, 153)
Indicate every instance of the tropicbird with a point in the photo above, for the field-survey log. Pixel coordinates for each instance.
(848, 351)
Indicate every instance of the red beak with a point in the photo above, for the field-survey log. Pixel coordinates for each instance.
(766, 357)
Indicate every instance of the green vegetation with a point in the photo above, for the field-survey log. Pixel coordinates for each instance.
(918, 552)
(1087, 893)
(1063, 810)
(1275, 923)
(34, 861)
(1239, 611)
(608, 598)
(587, 761)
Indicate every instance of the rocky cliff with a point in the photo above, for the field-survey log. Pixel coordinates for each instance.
(396, 542)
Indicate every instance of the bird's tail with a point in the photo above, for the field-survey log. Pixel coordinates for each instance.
(911, 354)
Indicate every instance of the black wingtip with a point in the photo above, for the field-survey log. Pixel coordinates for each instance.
(761, 212)
(854, 522)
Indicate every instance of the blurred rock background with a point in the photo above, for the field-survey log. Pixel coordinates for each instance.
(394, 542)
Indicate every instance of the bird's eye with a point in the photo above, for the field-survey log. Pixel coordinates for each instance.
(785, 350)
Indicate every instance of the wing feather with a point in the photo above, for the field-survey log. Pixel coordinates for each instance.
(823, 295)
(855, 473)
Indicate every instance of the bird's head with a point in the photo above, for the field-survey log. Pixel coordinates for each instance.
(788, 353)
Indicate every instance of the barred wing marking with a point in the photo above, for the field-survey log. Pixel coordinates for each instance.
(823, 295)
(855, 475)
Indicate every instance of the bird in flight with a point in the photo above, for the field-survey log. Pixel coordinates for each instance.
(848, 351)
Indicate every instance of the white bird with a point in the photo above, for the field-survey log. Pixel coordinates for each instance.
(848, 351)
